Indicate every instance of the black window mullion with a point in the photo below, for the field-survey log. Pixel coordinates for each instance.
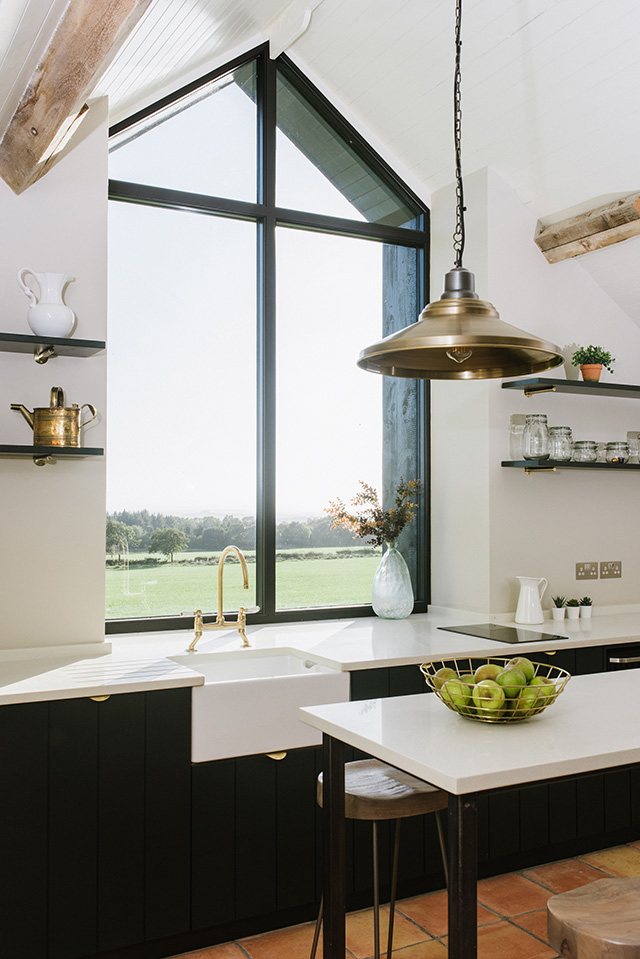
(266, 379)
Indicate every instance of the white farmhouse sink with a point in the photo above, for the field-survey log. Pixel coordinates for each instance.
(250, 699)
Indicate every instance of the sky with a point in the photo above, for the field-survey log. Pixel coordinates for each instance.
(181, 421)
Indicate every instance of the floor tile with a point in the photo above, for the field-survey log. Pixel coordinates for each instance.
(619, 861)
(511, 895)
(227, 950)
(430, 912)
(359, 935)
(502, 940)
(292, 943)
(564, 875)
(423, 950)
(533, 922)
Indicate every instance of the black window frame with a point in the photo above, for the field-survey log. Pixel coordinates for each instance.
(268, 218)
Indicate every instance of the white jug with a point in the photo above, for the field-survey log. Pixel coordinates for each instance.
(529, 609)
(48, 316)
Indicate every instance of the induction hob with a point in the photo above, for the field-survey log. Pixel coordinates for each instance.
(502, 634)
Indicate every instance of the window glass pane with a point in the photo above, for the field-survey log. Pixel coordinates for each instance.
(182, 424)
(318, 172)
(203, 144)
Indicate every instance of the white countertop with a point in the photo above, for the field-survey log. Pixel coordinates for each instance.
(137, 662)
(594, 724)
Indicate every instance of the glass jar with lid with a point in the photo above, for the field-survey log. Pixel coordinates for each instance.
(617, 452)
(560, 443)
(585, 451)
(536, 437)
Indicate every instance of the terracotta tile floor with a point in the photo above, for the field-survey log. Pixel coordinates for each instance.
(512, 918)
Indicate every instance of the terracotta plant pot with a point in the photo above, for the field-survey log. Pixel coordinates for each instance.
(591, 372)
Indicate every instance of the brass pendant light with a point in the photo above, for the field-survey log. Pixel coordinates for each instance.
(459, 336)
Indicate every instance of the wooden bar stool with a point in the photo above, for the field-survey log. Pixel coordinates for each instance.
(598, 921)
(375, 791)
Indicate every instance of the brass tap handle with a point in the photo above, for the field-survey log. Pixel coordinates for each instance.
(198, 627)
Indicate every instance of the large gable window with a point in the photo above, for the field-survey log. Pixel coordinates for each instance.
(256, 246)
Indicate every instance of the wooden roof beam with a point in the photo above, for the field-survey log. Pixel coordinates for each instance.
(87, 37)
(590, 231)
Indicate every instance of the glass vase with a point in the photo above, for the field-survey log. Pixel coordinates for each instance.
(391, 590)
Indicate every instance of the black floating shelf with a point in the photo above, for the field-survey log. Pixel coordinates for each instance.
(561, 465)
(62, 345)
(543, 384)
(63, 451)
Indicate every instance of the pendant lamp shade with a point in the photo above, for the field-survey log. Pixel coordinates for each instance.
(459, 337)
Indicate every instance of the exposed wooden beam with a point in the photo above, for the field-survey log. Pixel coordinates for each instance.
(591, 231)
(87, 37)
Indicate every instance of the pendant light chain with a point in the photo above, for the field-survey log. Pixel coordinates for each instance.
(458, 236)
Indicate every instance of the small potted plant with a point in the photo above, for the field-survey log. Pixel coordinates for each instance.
(585, 607)
(573, 608)
(557, 610)
(591, 359)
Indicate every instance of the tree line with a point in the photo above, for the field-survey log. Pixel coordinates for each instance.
(143, 531)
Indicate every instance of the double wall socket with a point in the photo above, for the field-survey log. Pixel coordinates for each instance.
(610, 570)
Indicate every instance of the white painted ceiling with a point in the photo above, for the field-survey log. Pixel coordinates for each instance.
(551, 88)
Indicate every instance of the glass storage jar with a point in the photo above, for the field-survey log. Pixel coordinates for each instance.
(617, 453)
(536, 437)
(560, 443)
(585, 451)
(516, 441)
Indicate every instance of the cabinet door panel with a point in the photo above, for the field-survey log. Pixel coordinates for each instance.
(296, 827)
(121, 821)
(23, 814)
(590, 808)
(214, 825)
(617, 799)
(534, 817)
(256, 837)
(504, 823)
(167, 812)
(73, 839)
(562, 811)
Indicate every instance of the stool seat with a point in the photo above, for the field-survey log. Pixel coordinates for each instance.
(373, 790)
(597, 921)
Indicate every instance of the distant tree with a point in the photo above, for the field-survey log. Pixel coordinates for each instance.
(119, 537)
(168, 541)
(294, 535)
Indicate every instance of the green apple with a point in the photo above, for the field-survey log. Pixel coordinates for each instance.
(545, 687)
(443, 675)
(488, 696)
(456, 692)
(524, 665)
(487, 671)
(530, 700)
(512, 680)
(468, 678)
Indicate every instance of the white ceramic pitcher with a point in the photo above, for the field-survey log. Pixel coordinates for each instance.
(529, 609)
(48, 316)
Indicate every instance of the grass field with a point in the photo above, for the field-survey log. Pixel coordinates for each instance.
(169, 589)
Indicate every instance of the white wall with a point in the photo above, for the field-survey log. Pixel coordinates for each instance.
(52, 517)
(492, 524)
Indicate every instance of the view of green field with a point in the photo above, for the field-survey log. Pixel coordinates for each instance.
(140, 589)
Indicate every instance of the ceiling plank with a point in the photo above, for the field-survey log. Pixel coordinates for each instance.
(590, 231)
(87, 37)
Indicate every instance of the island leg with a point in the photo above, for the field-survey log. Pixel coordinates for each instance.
(334, 848)
(463, 877)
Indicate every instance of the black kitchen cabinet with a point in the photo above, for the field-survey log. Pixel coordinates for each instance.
(95, 810)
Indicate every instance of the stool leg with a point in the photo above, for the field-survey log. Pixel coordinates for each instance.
(376, 893)
(394, 883)
(443, 846)
(316, 934)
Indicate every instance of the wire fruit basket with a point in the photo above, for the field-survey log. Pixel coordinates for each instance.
(514, 706)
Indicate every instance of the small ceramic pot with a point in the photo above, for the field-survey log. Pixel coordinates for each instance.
(591, 371)
(573, 612)
(558, 613)
(585, 612)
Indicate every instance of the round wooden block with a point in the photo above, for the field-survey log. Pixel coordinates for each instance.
(597, 921)
(374, 790)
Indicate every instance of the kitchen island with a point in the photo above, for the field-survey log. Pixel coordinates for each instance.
(594, 725)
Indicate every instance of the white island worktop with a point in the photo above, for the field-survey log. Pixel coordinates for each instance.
(138, 662)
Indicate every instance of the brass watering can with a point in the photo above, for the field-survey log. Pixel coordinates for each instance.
(56, 424)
